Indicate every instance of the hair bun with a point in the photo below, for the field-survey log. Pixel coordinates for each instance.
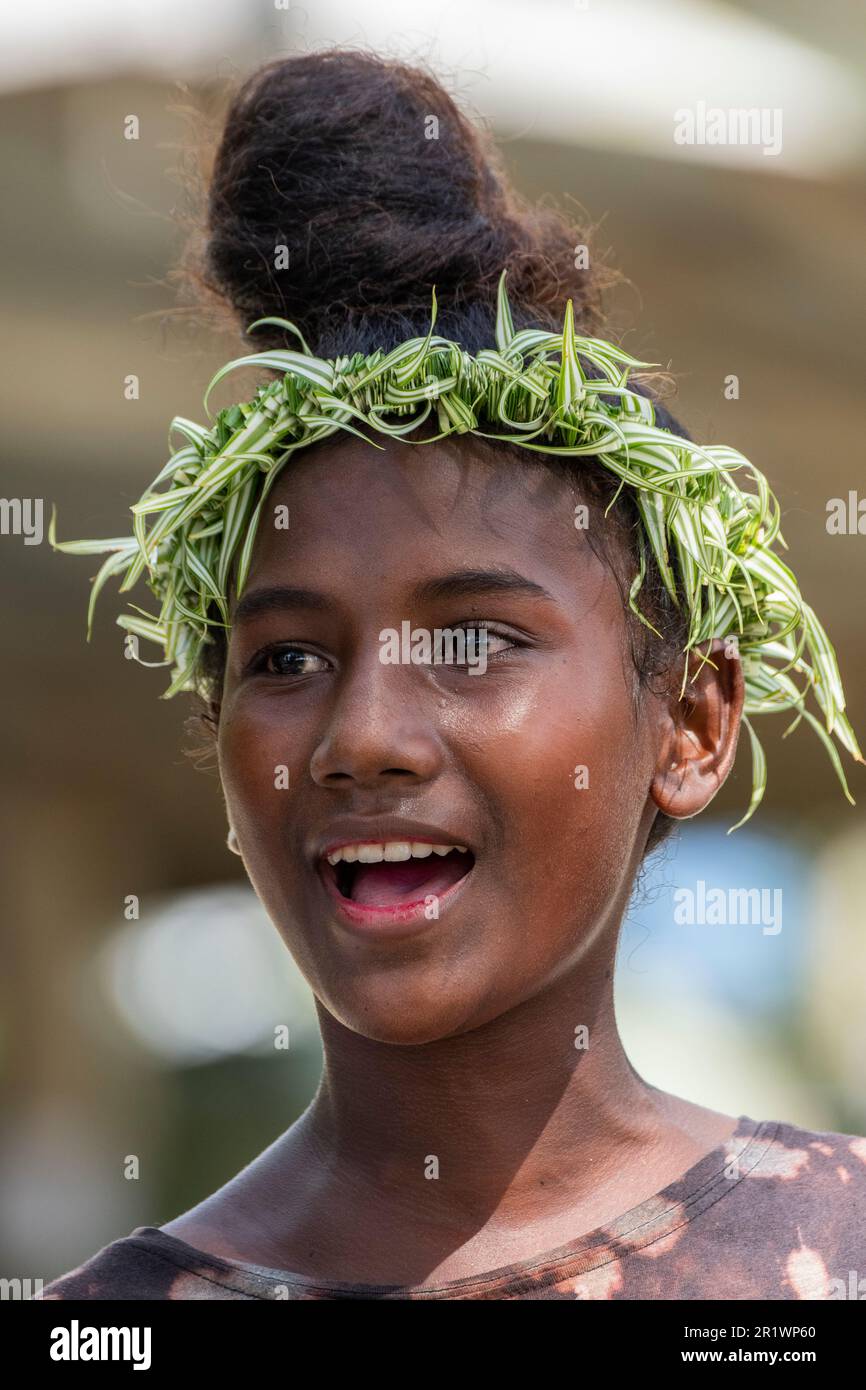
(345, 186)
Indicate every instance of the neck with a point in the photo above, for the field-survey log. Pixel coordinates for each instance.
(537, 1097)
(465, 1154)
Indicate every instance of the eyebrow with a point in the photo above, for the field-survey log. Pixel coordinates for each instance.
(459, 584)
(276, 599)
(465, 583)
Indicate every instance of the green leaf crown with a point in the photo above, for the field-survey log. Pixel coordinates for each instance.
(558, 394)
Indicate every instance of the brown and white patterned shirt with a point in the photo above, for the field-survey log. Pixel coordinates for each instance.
(775, 1212)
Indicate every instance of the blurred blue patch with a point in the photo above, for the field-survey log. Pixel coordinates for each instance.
(738, 964)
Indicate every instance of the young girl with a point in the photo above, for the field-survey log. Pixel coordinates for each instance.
(459, 693)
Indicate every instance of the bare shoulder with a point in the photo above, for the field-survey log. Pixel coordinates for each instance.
(209, 1227)
(237, 1221)
(699, 1126)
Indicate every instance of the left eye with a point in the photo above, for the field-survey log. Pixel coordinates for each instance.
(478, 643)
(288, 661)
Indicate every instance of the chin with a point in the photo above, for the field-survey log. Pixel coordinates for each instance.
(407, 1017)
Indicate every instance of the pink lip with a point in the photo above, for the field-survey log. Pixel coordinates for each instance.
(404, 920)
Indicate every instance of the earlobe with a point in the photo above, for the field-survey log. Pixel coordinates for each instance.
(699, 733)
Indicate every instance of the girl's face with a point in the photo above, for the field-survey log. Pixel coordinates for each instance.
(541, 765)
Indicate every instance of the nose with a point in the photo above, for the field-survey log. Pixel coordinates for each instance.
(379, 728)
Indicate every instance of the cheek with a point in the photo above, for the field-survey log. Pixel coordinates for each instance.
(255, 765)
(568, 774)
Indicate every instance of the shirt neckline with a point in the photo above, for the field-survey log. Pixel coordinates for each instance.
(675, 1205)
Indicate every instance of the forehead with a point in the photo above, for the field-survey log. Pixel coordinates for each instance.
(408, 504)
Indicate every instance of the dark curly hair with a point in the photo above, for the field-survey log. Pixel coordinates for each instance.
(375, 187)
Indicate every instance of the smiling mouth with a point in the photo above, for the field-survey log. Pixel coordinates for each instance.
(399, 884)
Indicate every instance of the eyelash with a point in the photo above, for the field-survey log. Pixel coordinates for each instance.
(258, 665)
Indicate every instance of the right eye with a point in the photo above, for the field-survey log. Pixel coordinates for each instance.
(288, 661)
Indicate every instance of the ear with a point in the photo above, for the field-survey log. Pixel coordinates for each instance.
(699, 733)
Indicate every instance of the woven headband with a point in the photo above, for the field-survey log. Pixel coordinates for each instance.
(558, 394)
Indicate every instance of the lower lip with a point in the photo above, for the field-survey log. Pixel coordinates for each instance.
(405, 919)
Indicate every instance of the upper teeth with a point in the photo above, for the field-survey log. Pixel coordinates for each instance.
(391, 850)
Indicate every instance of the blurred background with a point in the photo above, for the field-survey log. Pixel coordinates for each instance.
(154, 1037)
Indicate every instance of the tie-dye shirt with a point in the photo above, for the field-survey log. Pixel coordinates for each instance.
(775, 1212)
